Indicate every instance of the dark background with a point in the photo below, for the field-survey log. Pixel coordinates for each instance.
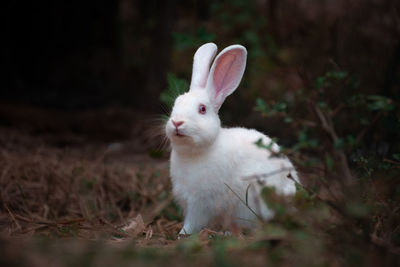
(81, 134)
(91, 55)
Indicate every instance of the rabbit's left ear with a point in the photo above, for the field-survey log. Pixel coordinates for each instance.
(226, 73)
(201, 65)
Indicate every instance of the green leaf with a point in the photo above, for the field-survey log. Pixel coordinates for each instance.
(339, 143)
(247, 194)
(351, 140)
(262, 106)
(329, 162)
(377, 102)
(175, 88)
(288, 119)
(320, 82)
(280, 106)
(338, 75)
(268, 146)
(322, 104)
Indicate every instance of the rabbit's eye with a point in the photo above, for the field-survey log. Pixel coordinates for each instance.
(202, 109)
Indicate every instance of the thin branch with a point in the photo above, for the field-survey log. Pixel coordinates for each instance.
(337, 110)
(258, 177)
(391, 161)
(244, 203)
(12, 216)
(327, 125)
(331, 204)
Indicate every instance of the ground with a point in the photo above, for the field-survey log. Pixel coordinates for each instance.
(92, 189)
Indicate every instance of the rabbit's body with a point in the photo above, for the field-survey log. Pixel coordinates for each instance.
(210, 165)
(203, 182)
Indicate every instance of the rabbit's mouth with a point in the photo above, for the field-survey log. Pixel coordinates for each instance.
(177, 133)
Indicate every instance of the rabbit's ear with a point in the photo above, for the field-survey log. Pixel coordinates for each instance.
(226, 73)
(201, 65)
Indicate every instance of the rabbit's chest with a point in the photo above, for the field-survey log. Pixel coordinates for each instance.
(198, 174)
(200, 179)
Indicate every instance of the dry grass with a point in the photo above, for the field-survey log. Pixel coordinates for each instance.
(92, 205)
(81, 191)
(109, 203)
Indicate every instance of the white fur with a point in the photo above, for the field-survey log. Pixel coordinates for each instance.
(209, 162)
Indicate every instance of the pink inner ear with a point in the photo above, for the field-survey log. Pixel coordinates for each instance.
(226, 72)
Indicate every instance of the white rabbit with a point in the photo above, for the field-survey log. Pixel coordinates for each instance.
(209, 164)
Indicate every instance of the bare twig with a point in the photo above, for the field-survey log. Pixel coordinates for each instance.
(383, 243)
(258, 177)
(337, 110)
(391, 161)
(12, 216)
(327, 125)
(330, 203)
(21, 218)
(244, 203)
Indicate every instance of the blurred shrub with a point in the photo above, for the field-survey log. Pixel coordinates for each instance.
(349, 176)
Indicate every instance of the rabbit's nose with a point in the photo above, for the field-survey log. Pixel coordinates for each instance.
(177, 123)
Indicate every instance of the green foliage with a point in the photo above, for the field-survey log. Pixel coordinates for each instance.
(329, 162)
(176, 87)
(270, 110)
(304, 141)
(268, 146)
(330, 138)
(326, 80)
(377, 102)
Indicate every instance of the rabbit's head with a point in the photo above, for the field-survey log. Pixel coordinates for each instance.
(194, 120)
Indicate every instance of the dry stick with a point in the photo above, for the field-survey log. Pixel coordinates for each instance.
(244, 203)
(159, 226)
(383, 243)
(21, 218)
(392, 161)
(266, 175)
(49, 223)
(71, 221)
(331, 204)
(12, 216)
(327, 125)
(349, 178)
(115, 229)
(114, 203)
(32, 229)
(337, 110)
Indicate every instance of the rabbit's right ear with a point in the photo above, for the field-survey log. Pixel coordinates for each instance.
(226, 73)
(201, 65)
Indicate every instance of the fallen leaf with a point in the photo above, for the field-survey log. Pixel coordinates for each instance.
(135, 227)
